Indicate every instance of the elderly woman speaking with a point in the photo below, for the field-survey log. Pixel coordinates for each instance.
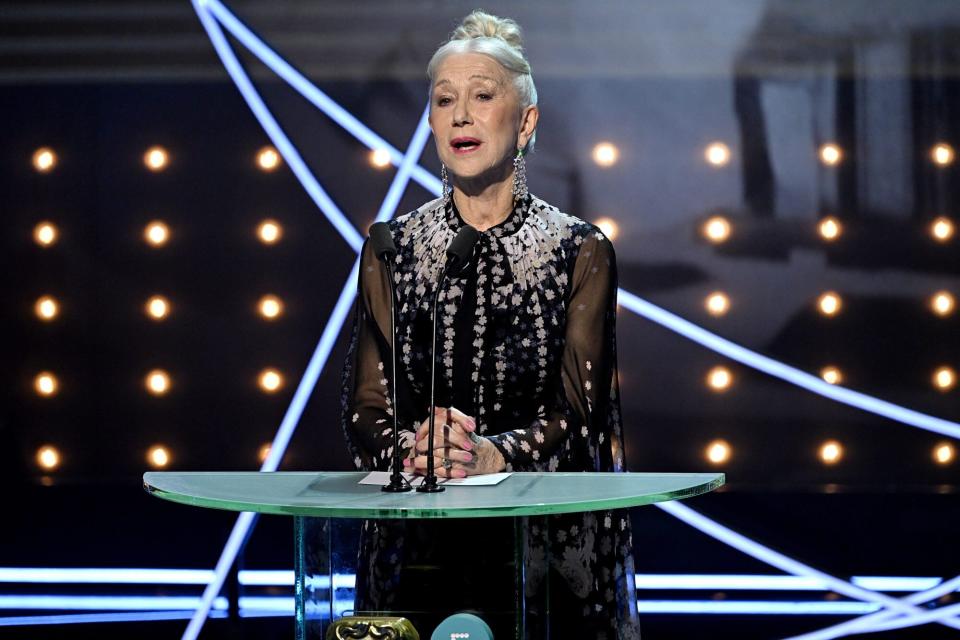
(526, 356)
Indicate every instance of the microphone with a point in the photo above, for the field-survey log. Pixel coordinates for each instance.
(381, 241)
(458, 255)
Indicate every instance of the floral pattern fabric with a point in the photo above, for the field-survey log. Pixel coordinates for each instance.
(527, 346)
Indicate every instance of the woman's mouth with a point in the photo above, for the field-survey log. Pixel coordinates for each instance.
(461, 146)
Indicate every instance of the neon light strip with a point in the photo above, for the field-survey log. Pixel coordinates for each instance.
(867, 623)
(726, 582)
(273, 130)
(105, 603)
(313, 94)
(754, 607)
(785, 372)
(25, 575)
(98, 618)
(784, 563)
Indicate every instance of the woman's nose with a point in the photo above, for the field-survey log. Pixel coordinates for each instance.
(461, 115)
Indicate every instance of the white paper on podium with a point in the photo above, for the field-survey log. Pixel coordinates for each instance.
(383, 477)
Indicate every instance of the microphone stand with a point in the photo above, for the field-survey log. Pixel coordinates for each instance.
(397, 484)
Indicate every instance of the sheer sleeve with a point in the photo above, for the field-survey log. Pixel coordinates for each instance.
(366, 404)
(581, 431)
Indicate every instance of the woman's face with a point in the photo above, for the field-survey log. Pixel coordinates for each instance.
(476, 119)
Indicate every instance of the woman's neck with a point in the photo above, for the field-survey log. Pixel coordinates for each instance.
(487, 207)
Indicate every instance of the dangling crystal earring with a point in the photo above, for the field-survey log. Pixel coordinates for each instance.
(445, 187)
(519, 177)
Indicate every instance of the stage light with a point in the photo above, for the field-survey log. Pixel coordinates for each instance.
(156, 159)
(158, 382)
(717, 303)
(48, 457)
(268, 159)
(944, 453)
(606, 154)
(941, 229)
(717, 154)
(718, 451)
(830, 228)
(380, 158)
(44, 159)
(944, 378)
(831, 154)
(46, 384)
(158, 307)
(831, 375)
(158, 456)
(269, 231)
(270, 307)
(942, 154)
(609, 227)
(829, 303)
(45, 234)
(719, 379)
(46, 308)
(831, 452)
(263, 452)
(270, 380)
(942, 303)
(717, 229)
(157, 233)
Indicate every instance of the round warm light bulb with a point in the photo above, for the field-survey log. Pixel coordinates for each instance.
(380, 158)
(717, 303)
(830, 154)
(270, 380)
(270, 307)
(717, 154)
(719, 379)
(944, 378)
(158, 307)
(831, 452)
(944, 453)
(609, 227)
(942, 303)
(156, 159)
(48, 457)
(158, 456)
(718, 451)
(157, 233)
(263, 452)
(46, 384)
(942, 154)
(45, 234)
(717, 229)
(269, 231)
(44, 159)
(46, 308)
(830, 228)
(829, 303)
(942, 229)
(831, 375)
(268, 159)
(605, 154)
(158, 382)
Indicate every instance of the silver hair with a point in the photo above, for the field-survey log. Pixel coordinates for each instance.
(502, 40)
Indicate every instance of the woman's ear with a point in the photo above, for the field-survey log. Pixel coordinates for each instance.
(528, 124)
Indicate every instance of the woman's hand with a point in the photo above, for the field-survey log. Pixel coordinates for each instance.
(457, 450)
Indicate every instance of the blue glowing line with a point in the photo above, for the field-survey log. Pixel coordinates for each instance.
(936, 615)
(104, 603)
(866, 623)
(775, 559)
(273, 129)
(754, 607)
(99, 618)
(736, 582)
(313, 94)
(785, 372)
(26, 575)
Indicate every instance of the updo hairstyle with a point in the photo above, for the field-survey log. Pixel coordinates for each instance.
(502, 40)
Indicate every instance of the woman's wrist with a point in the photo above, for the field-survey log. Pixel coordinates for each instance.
(489, 458)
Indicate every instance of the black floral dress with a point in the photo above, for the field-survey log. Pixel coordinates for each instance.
(527, 346)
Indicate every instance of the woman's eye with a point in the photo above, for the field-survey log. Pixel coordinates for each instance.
(484, 96)
(443, 101)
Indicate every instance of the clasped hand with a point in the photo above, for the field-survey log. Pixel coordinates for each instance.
(457, 451)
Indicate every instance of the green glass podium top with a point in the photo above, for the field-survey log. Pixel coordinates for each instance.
(338, 494)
